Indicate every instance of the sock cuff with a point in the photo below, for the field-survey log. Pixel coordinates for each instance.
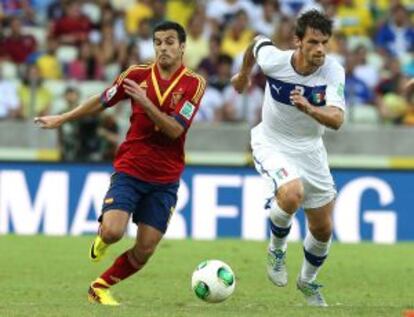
(278, 216)
(314, 246)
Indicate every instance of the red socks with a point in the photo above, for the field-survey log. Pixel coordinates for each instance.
(121, 269)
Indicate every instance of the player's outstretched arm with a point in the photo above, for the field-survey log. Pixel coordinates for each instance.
(88, 107)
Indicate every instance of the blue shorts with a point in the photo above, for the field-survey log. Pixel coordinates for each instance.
(148, 203)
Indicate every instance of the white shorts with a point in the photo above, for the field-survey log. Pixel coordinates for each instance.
(280, 167)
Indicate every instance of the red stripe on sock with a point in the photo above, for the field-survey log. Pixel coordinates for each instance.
(121, 269)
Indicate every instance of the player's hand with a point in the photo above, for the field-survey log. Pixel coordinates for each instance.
(49, 122)
(299, 101)
(135, 91)
(240, 82)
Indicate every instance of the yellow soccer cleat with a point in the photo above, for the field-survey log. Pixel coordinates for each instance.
(101, 295)
(98, 249)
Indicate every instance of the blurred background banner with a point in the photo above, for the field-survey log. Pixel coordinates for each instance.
(65, 199)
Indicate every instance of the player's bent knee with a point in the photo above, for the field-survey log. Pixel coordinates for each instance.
(111, 235)
(290, 196)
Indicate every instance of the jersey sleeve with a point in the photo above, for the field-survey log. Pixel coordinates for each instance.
(335, 90)
(115, 93)
(188, 106)
(267, 55)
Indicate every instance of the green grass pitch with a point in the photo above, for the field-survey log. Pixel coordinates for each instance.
(49, 276)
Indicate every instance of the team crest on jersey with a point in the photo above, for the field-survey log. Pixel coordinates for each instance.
(110, 93)
(281, 173)
(187, 110)
(175, 98)
(318, 97)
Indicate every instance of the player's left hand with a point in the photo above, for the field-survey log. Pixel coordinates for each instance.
(299, 101)
(135, 91)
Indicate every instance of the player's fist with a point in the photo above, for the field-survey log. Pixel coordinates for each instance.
(49, 122)
(240, 82)
(135, 91)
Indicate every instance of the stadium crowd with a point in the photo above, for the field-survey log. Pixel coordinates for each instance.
(53, 52)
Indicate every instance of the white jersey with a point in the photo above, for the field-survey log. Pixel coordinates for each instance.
(283, 125)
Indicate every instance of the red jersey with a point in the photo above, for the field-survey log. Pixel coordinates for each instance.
(147, 153)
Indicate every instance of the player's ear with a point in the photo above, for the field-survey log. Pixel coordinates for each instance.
(297, 41)
(182, 47)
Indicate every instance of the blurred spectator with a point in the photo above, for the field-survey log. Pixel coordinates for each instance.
(390, 92)
(408, 118)
(224, 71)
(365, 71)
(144, 42)
(87, 66)
(18, 46)
(390, 77)
(196, 44)
(136, 13)
(87, 139)
(73, 27)
(393, 105)
(210, 63)
(40, 7)
(35, 99)
(109, 49)
(354, 19)
(49, 66)
(55, 9)
(237, 36)
(357, 93)
(18, 8)
(244, 107)
(159, 10)
(132, 57)
(268, 19)
(210, 104)
(221, 12)
(291, 8)
(181, 11)
(396, 35)
(9, 100)
(283, 38)
(338, 47)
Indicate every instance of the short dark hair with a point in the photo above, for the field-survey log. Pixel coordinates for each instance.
(170, 25)
(315, 20)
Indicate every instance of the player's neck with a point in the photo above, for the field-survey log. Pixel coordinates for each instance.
(300, 65)
(167, 72)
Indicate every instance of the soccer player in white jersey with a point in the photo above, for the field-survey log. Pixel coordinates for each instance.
(304, 94)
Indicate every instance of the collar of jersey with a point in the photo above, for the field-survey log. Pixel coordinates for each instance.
(162, 97)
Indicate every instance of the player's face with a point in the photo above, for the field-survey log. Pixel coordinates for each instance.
(168, 49)
(314, 46)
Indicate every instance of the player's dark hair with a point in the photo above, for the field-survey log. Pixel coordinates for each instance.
(169, 25)
(315, 20)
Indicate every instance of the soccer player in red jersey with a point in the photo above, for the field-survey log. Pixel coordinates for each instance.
(164, 98)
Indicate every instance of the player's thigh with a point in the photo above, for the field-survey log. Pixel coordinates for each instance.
(320, 220)
(319, 186)
(156, 208)
(278, 170)
(120, 201)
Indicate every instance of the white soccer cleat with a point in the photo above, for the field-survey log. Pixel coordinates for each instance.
(312, 293)
(276, 268)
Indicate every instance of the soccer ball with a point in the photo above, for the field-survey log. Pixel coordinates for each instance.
(213, 281)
